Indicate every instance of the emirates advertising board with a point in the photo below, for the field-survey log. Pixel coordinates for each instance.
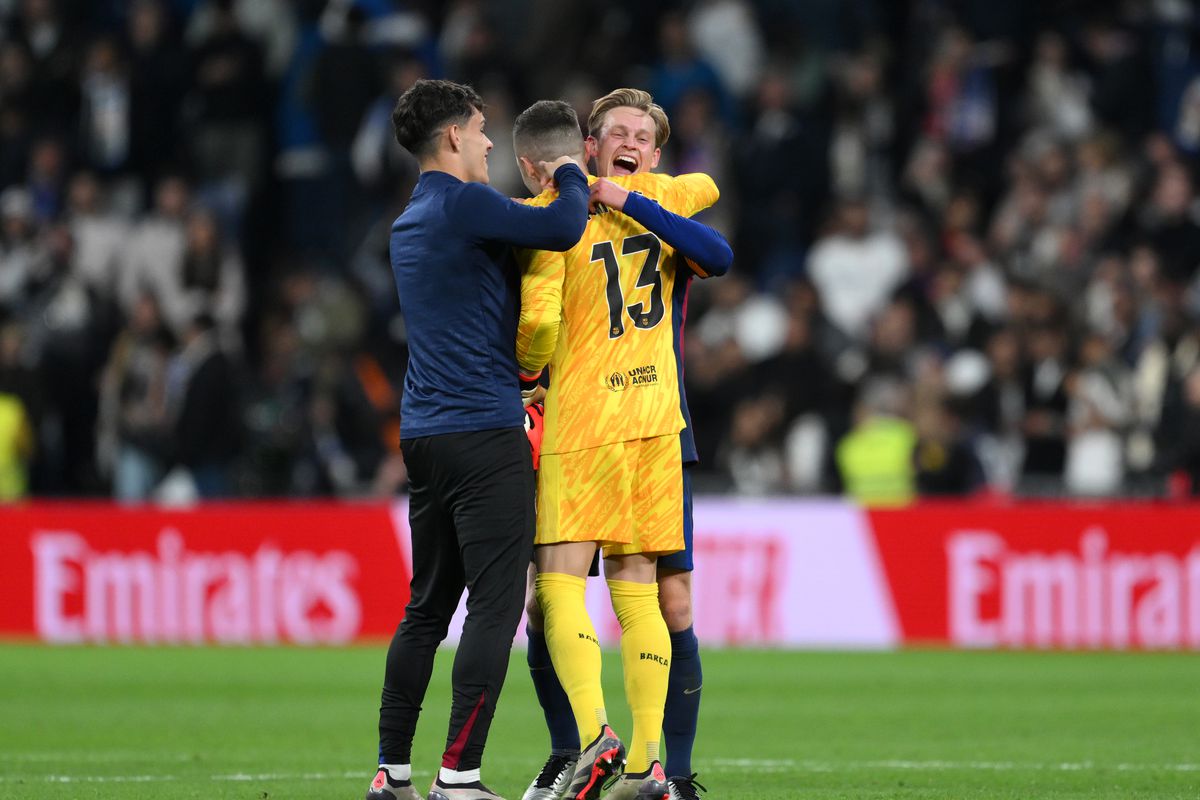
(770, 573)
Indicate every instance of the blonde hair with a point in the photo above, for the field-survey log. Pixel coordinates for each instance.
(631, 98)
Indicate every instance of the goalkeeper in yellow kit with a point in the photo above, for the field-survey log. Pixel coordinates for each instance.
(604, 315)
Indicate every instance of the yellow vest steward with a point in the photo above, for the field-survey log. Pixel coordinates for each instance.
(876, 462)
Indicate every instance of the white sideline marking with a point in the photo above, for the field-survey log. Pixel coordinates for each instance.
(802, 765)
(307, 776)
(102, 756)
(237, 777)
(99, 779)
(758, 764)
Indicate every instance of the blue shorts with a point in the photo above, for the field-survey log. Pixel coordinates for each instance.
(683, 559)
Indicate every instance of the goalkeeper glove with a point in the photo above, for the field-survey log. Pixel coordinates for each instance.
(535, 417)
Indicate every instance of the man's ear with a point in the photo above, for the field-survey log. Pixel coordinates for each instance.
(454, 137)
(590, 147)
(657, 156)
(527, 168)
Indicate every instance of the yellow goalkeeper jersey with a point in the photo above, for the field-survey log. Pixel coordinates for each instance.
(602, 315)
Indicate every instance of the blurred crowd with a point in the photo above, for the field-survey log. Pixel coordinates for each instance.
(966, 235)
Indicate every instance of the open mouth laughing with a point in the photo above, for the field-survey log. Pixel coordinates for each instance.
(624, 164)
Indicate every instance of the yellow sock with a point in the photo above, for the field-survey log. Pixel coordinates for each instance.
(645, 655)
(574, 649)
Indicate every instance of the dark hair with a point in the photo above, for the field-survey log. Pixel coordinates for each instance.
(547, 130)
(428, 107)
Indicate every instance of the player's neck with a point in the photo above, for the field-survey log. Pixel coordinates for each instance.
(446, 162)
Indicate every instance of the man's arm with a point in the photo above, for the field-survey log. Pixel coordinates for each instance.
(483, 212)
(542, 278)
(706, 251)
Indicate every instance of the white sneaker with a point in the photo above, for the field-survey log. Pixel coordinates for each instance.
(552, 781)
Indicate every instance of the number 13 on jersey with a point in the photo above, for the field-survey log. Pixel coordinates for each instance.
(650, 276)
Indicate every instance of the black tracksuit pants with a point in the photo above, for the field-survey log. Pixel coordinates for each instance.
(471, 514)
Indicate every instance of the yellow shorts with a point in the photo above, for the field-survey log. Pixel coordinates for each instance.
(626, 496)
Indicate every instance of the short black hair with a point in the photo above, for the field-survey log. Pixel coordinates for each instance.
(429, 106)
(547, 130)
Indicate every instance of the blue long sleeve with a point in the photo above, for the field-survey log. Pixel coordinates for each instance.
(484, 213)
(458, 285)
(695, 240)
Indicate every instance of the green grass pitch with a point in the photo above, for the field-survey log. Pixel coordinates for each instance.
(288, 723)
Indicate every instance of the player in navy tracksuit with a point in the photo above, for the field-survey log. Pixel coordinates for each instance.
(471, 500)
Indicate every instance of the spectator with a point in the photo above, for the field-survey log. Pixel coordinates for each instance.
(16, 448)
(875, 459)
(46, 35)
(892, 350)
(997, 410)
(272, 22)
(855, 269)
(682, 72)
(158, 75)
(134, 429)
(946, 464)
(797, 374)
(21, 252)
(1120, 71)
(17, 90)
(17, 377)
(380, 163)
(754, 458)
(20, 393)
(69, 328)
(274, 416)
(781, 175)
(1181, 452)
(46, 177)
(203, 398)
(471, 45)
(224, 112)
(698, 144)
(106, 116)
(17, 106)
(1044, 424)
(100, 235)
(726, 34)
(799, 378)
(344, 449)
(153, 259)
(961, 95)
(1170, 223)
(1099, 412)
(345, 81)
(1058, 95)
(211, 280)
(863, 130)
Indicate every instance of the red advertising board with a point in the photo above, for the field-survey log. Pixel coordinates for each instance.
(778, 572)
(222, 573)
(1043, 575)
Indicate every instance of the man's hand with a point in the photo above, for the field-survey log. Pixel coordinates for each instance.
(605, 192)
(532, 390)
(533, 396)
(548, 168)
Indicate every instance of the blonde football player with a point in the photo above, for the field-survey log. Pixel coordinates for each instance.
(605, 315)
